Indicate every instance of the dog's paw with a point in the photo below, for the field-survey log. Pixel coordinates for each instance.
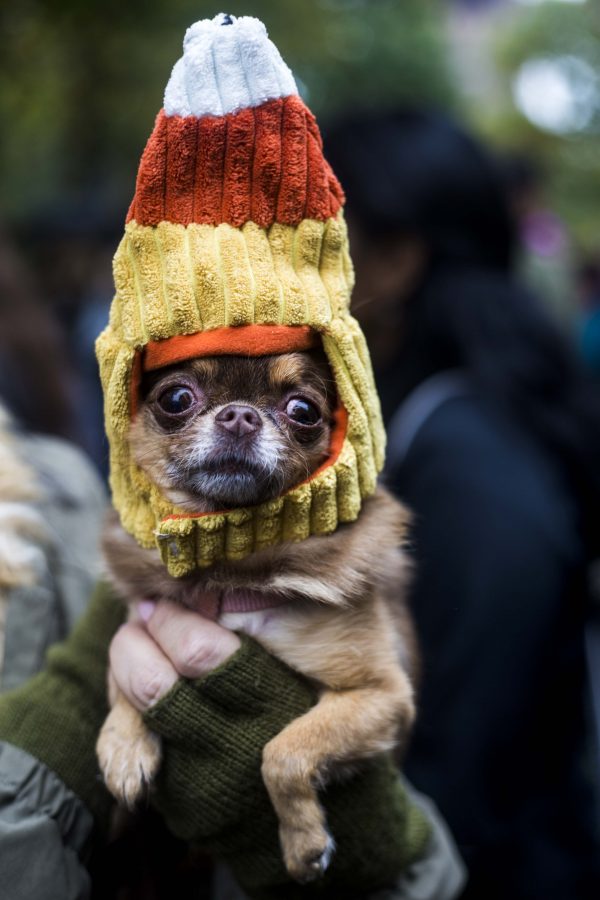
(128, 762)
(306, 854)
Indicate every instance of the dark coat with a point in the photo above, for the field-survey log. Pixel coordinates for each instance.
(499, 597)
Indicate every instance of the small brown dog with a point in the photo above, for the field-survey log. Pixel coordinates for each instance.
(221, 432)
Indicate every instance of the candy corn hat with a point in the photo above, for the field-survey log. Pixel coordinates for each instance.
(235, 243)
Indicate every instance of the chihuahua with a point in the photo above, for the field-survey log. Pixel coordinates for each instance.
(223, 432)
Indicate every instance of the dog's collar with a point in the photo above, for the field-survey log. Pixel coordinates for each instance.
(214, 604)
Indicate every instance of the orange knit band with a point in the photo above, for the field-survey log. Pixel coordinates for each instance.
(262, 164)
(240, 340)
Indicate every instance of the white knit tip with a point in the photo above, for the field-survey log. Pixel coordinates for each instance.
(228, 63)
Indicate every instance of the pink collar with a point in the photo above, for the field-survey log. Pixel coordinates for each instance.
(214, 604)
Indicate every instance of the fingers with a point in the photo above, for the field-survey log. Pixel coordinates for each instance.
(146, 660)
(140, 668)
(194, 646)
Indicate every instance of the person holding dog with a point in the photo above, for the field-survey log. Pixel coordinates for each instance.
(233, 169)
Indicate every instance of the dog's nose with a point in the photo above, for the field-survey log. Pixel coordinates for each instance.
(239, 420)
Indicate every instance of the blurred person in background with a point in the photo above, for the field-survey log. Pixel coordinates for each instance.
(494, 442)
(71, 251)
(544, 257)
(52, 501)
(588, 283)
(36, 382)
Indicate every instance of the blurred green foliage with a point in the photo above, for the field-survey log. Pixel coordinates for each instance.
(81, 80)
(570, 163)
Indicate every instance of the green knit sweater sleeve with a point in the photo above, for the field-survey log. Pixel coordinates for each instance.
(210, 789)
(56, 715)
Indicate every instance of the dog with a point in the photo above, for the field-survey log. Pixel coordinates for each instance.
(228, 431)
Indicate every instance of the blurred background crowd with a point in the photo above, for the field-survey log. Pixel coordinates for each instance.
(465, 133)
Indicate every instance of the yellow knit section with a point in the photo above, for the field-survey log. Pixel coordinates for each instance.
(173, 280)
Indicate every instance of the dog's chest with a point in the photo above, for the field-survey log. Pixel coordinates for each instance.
(279, 629)
(256, 624)
(283, 632)
(288, 628)
(316, 639)
(256, 613)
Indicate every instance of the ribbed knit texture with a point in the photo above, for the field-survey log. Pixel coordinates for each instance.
(57, 715)
(210, 788)
(262, 164)
(236, 220)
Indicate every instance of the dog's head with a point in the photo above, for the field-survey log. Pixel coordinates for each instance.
(228, 431)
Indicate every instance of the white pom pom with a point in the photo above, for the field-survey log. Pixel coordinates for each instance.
(228, 63)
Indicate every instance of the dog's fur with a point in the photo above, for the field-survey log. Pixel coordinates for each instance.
(345, 624)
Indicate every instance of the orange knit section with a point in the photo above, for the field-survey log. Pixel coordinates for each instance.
(240, 340)
(262, 164)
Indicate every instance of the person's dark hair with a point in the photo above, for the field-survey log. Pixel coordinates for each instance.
(34, 373)
(415, 172)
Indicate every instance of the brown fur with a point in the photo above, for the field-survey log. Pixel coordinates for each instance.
(345, 626)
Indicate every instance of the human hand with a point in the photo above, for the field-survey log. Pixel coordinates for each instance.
(166, 642)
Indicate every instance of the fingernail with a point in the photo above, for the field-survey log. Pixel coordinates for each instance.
(146, 608)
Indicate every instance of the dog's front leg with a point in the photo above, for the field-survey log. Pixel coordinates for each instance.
(343, 727)
(128, 752)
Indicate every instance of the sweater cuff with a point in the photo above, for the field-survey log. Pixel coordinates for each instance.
(251, 682)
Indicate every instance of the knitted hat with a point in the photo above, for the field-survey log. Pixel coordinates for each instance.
(235, 243)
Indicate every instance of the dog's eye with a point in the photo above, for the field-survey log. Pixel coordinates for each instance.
(176, 400)
(302, 412)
